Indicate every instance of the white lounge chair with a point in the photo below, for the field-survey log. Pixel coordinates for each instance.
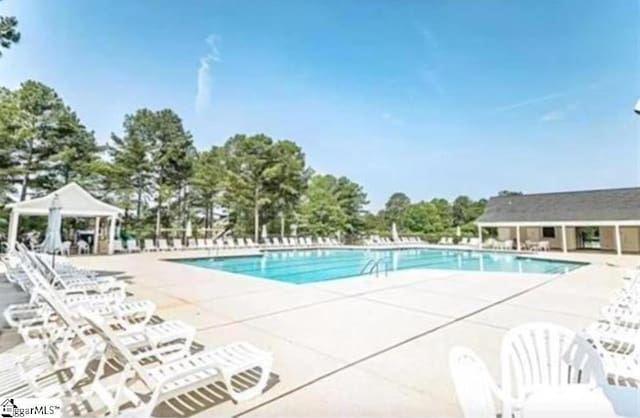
(229, 243)
(250, 243)
(163, 246)
(173, 378)
(177, 244)
(309, 241)
(149, 245)
(132, 245)
(208, 243)
(192, 244)
(117, 246)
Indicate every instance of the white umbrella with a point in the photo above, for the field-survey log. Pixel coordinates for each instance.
(264, 232)
(394, 232)
(53, 240)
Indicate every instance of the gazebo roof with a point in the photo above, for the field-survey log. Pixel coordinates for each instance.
(74, 200)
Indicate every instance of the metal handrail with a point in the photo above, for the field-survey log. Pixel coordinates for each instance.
(374, 264)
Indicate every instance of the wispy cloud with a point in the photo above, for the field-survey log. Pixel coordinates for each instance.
(432, 80)
(393, 120)
(428, 37)
(530, 101)
(203, 93)
(559, 114)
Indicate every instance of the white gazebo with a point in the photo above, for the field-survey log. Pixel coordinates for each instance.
(75, 202)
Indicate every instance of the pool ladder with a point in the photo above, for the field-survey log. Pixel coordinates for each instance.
(373, 265)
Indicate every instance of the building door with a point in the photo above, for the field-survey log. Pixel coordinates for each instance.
(588, 238)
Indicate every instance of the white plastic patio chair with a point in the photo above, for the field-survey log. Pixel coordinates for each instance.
(149, 245)
(475, 388)
(83, 247)
(176, 377)
(544, 354)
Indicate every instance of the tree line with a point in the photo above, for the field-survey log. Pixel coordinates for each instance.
(156, 175)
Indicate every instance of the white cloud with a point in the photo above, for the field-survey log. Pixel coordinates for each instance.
(529, 102)
(393, 120)
(559, 114)
(432, 80)
(203, 93)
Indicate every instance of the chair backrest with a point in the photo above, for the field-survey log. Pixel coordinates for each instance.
(275, 241)
(114, 341)
(241, 242)
(132, 244)
(117, 245)
(192, 243)
(162, 243)
(540, 353)
(250, 242)
(208, 243)
(148, 243)
(473, 383)
(177, 243)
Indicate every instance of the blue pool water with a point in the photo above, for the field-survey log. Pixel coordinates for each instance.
(306, 266)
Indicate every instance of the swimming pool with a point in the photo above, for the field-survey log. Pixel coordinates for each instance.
(313, 265)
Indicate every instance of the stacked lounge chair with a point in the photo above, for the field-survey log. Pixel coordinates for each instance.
(75, 318)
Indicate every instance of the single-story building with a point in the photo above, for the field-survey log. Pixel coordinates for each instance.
(590, 219)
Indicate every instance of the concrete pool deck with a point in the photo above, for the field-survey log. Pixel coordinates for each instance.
(362, 346)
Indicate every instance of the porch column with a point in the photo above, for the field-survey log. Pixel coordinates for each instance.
(564, 238)
(112, 233)
(96, 235)
(479, 236)
(618, 241)
(13, 229)
(518, 247)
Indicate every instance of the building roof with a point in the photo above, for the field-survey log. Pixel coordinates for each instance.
(587, 205)
(74, 201)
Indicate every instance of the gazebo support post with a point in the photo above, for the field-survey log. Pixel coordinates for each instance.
(518, 246)
(112, 233)
(96, 235)
(13, 229)
(479, 236)
(564, 238)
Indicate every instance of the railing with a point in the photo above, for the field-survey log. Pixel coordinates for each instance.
(373, 265)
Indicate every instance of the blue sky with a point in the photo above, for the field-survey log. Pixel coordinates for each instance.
(432, 98)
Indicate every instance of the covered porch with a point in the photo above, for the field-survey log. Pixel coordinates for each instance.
(621, 237)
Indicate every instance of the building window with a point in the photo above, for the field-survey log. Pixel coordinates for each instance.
(548, 232)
